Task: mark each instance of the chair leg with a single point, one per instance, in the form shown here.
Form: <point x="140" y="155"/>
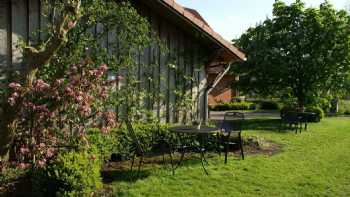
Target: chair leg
<point x="202" y="160"/>
<point x="280" y="127"/>
<point x="226" y="153"/>
<point x="241" y="147"/>
<point x="140" y="164"/>
<point x="133" y="161"/>
<point x="171" y="162"/>
<point x="181" y="158"/>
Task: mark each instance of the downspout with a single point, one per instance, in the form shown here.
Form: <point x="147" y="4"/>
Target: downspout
<point x="210" y="88"/>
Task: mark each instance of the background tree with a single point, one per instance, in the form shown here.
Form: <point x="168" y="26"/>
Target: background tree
<point x="300" y="52"/>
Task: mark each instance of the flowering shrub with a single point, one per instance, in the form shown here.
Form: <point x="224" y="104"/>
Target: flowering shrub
<point x="74" y="173"/>
<point x="55" y="114"/>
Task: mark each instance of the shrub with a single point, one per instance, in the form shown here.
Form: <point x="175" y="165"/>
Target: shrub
<point x="105" y="143"/>
<point x="71" y="174"/>
<point x="318" y="111"/>
<point x="344" y="107"/>
<point x="234" y="106"/>
<point x="149" y="134"/>
<point x="10" y="174"/>
<point x="269" y="105"/>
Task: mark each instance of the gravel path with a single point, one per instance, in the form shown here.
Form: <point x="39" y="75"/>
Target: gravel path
<point x="248" y="115"/>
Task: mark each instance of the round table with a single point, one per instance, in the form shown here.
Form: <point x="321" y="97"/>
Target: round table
<point x="194" y="130"/>
<point x="203" y="132"/>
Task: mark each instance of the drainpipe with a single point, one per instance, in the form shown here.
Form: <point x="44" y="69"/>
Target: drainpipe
<point x="210" y="88"/>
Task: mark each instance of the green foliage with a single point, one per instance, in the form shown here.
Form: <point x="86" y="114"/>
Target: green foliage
<point x="71" y="174"/>
<point x="301" y="52"/>
<point x="233" y="106"/>
<point x="268" y="105"/>
<point x="344" y="107"/>
<point x="9" y="175"/>
<point x="149" y="135"/>
<point x="105" y="143"/>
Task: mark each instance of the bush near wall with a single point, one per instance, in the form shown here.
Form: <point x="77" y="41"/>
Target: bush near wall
<point x="268" y="105"/>
<point x="233" y="106"/>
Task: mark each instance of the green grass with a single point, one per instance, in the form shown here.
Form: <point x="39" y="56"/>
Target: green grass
<point x="314" y="163"/>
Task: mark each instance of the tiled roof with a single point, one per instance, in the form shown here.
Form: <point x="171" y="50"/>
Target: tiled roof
<point x="200" y="22"/>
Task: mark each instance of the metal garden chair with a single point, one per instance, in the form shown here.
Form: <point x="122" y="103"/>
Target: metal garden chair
<point x="140" y="151"/>
<point x="291" y="119"/>
<point x="231" y="132"/>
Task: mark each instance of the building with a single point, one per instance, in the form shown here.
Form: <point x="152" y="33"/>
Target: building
<point x="189" y="38"/>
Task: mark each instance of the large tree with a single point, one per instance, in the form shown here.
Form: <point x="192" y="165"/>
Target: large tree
<point x="301" y="52"/>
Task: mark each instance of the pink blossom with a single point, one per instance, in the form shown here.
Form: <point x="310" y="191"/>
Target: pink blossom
<point x="42" y="145"/>
<point x="59" y="81"/>
<point x="79" y="98"/>
<point x="68" y="91"/>
<point x="41" y="163"/>
<point x="23" y="165"/>
<point x="50" y="152"/>
<point x="15" y="95"/>
<point x="104" y="130"/>
<point x="11" y="101"/>
<point x="120" y="77"/>
<point x="15" y="86"/>
<point x="85" y="110"/>
<point x="24" y="150"/>
<point x="41" y="85"/>
<point x="103" y="67"/>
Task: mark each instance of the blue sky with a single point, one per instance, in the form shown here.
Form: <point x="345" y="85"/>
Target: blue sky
<point x="231" y="18"/>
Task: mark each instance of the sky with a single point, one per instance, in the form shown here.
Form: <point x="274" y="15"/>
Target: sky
<point x="231" y="18"/>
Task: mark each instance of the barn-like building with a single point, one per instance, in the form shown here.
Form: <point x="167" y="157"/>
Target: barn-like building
<point x="186" y="34"/>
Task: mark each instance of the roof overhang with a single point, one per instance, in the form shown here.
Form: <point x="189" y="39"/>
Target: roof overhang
<point x="228" y="52"/>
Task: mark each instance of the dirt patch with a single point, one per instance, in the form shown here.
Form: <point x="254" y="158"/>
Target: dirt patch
<point x="257" y="145"/>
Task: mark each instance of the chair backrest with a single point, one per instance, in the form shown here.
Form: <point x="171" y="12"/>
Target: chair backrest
<point x="291" y="117"/>
<point x="232" y="122"/>
<point x="134" y="138"/>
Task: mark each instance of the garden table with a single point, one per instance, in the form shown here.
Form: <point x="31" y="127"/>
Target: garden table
<point x="304" y="117"/>
<point x="186" y="132"/>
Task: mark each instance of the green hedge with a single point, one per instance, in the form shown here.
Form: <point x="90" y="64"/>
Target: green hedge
<point x="268" y="105"/>
<point x="233" y="106"/>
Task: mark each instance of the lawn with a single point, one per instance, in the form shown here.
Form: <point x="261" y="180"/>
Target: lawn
<point x="314" y="163"/>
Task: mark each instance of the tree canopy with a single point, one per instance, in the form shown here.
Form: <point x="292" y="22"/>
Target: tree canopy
<point x="301" y="52"/>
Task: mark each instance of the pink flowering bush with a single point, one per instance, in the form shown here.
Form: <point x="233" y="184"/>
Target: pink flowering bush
<point x="55" y="114"/>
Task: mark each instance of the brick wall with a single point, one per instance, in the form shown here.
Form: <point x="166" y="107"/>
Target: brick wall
<point x="223" y="92"/>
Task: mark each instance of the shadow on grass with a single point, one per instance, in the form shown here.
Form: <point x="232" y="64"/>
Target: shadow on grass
<point x="124" y="175"/>
<point x="262" y="124"/>
<point x="120" y="171"/>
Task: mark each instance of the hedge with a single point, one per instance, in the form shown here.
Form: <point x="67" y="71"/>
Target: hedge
<point x="233" y="106"/>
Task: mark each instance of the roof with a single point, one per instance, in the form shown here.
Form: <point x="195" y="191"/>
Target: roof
<point x="192" y="16"/>
<point x="197" y="15"/>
